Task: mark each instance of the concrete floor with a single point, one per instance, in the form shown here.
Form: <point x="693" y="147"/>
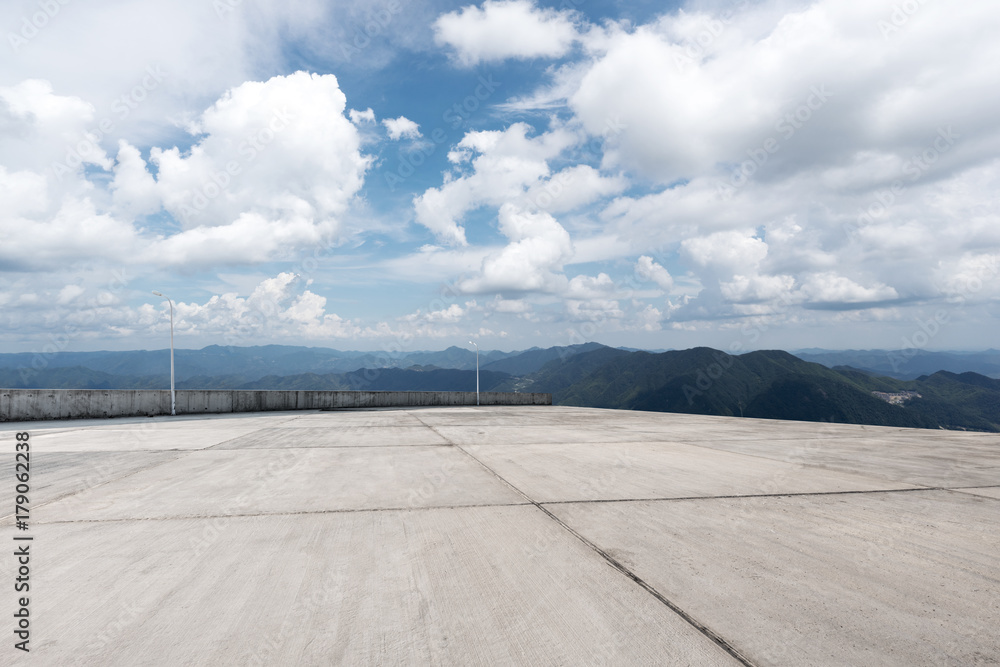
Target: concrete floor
<point x="506" y="535"/>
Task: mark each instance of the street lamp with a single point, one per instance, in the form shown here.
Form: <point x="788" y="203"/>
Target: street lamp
<point x="173" y="397"/>
<point x="477" y="371"/>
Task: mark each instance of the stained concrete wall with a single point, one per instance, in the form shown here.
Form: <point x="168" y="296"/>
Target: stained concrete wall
<point x="35" y="404"/>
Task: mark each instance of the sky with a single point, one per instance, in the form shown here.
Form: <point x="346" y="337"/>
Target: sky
<point x="411" y="174"/>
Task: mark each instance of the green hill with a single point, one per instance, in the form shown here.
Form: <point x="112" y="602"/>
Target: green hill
<point x="768" y="384"/>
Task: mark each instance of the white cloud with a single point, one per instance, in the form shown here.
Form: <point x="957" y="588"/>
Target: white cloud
<point x="278" y="307"/>
<point x="594" y="310"/>
<point x="75" y="232"/>
<point x="358" y="117"/>
<point x="590" y="287"/>
<point x="882" y="159"/>
<point x="726" y="253"/>
<point x="532" y="261"/>
<point x="830" y="288"/>
<point x="818" y="80"/>
<point x="452" y="314"/>
<point x="519" y="307"/>
<point x="134" y="188"/>
<point x="276" y="169"/>
<point x="68" y="294"/>
<point x="970" y="278"/>
<point x="506" y="163"/>
<point x="649" y="319"/>
<point x="757" y="288"/>
<point x="401" y="128"/>
<point x="505" y="29"/>
<point x="43" y="128"/>
<point x="572" y="188"/>
<point x="649" y="271"/>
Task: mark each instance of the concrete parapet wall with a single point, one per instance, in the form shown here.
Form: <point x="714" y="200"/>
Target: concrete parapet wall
<point x="35" y="404"/>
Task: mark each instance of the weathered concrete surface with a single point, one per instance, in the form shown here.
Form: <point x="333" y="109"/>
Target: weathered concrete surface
<point x="43" y="404"/>
<point x="506" y="535"/>
<point x="856" y="579"/>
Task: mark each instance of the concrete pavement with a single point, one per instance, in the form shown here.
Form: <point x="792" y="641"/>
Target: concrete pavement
<point x="505" y="535"/>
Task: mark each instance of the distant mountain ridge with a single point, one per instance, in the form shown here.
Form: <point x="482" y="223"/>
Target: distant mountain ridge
<point x="907" y="364"/>
<point x="369" y="379"/>
<point x="767" y="384"/>
<point x="252" y="363"/>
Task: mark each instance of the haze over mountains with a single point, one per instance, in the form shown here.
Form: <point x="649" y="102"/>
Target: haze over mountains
<point x="929" y="389"/>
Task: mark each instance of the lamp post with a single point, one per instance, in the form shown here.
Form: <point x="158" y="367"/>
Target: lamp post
<point x="477" y="371"/>
<point x="173" y="397"/>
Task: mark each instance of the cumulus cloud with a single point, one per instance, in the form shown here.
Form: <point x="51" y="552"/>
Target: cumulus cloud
<point x="823" y="289"/>
<point x="649" y="319"/>
<point x="590" y="287"/>
<point x="358" y="117"/>
<point x="452" y="314"/>
<point x="532" y="261"/>
<point x="648" y="270"/>
<point x="726" y="253"/>
<point x="401" y="128"/>
<point x="276" y="168"/>
<point x="278" y="307"/>
<point x="595" y="310"/>
<point x="46" y="131"/>
<point x="818" y="81"/>
<point x="503" y="164"/>
<point x="756" y="288"/>
<point x="574" y="187"/>
<point x="855" y="151"/>
<point x="499" y="30"/>
<point x="133" y="187"/>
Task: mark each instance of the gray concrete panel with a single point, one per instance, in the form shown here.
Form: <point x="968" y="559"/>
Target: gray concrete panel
<point x="256" y="481"/>
<point x="907" y="578"/>
<point x="443" y="587"/>
<point x="620" y="471"/>
<point x="188" y="540"/>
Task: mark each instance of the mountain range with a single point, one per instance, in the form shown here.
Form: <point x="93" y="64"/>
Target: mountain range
<point x="849" y="386"/>
<point x="907" y="364"/>
<point x="255" y="362"/>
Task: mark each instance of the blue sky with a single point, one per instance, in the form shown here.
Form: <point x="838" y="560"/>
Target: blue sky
<point x="407" y="175"/>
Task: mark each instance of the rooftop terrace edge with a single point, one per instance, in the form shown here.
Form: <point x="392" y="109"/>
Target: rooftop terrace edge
<point x="43" y="404"/>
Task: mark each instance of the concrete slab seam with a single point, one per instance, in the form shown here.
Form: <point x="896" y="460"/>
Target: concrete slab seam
<point x="243" y="435"/>
<point x="181" y="454"/>
<point x="700" y="627"/>
<point x="737" y="496"/>
<point x="355" y="510"/>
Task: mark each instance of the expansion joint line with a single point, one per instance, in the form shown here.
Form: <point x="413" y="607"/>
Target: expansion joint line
<point x="691" y="620"/>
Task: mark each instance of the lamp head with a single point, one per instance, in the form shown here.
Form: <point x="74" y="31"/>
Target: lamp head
<point x="157" y="293"/>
